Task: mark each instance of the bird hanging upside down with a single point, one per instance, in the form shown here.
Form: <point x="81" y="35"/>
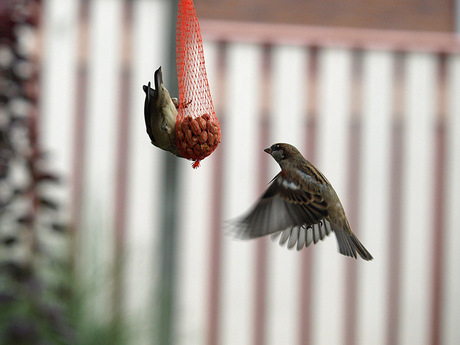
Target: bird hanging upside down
<point x="300" y="207"/>
<point x="160" y="111"/>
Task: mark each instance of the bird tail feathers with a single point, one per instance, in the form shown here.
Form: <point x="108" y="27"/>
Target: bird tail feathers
<point x="158" y="78"/>
<point x="349" y="245"/>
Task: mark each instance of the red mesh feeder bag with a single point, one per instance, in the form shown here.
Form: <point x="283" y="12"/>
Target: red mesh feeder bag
<point x="197" y="127"/>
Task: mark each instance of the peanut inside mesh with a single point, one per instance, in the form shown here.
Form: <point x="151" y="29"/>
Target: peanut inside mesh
<point x="197" y="138"/>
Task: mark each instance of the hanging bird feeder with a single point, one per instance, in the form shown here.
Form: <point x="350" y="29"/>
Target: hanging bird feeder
<point x="197" y="128"/>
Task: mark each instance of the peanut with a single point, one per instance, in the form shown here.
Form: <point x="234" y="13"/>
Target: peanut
<point x="210" y="139"/>
<point x="180" y="135"/>
<point x="188" y="135"/>
<point x="195" y="127"/>
<point x="203" y="137"/>
<point x="202" y="122"/>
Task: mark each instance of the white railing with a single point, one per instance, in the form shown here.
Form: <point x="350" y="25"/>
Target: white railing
<point x="383" y="124"/>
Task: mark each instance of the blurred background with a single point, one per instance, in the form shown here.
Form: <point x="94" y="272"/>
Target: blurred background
<point x="105" y="239"/>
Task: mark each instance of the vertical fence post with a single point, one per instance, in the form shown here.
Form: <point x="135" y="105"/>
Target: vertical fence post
<point x="457" y="17"/>
<point x="164" y="301"/>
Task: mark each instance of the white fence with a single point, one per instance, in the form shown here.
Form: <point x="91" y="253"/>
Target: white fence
<point x="383" y="124"/>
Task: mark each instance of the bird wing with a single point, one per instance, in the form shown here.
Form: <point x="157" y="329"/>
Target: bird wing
<point x="293" y="198"/>
<point x="147" y="109"/>
<point x="303" y="235"/>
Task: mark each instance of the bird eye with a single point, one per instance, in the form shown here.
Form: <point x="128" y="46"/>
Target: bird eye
<point x="275" y="147"/>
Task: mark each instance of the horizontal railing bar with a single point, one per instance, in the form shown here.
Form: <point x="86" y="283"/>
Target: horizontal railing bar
<point x="330" y="36"/>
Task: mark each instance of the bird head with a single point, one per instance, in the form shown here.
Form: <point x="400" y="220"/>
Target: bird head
<point x="281" y="152"/>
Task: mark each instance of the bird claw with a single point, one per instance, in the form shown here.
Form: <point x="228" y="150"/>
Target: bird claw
<point x="177" y="104"/>
<point x="166" y="128"/>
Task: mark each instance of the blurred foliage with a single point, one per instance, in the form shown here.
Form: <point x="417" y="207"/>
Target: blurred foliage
<point x="34" y="267"/>
<point x="39" y="298"/>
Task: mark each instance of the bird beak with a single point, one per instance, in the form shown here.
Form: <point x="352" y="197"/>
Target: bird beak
<point x="268" y="150"/>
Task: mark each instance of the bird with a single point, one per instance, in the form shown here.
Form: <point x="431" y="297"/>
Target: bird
<point x="299" y="207"/>
<point x="160" y="111"/>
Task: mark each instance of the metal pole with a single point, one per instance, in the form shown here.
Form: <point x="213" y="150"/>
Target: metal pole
<point x="164" y="301"/>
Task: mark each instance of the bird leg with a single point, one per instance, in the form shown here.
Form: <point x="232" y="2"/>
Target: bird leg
<point x="175" y="102"/>
<point x="184" y="104"/>
<point x="165" y="128"/>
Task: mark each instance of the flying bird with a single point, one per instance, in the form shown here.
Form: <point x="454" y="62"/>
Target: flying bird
<point x="300" y="207"/>
<point x="160" y="111"/>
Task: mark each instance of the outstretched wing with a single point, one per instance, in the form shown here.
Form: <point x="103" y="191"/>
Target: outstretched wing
<point x="302" y="236"/>
<point x="293" y="199"/>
